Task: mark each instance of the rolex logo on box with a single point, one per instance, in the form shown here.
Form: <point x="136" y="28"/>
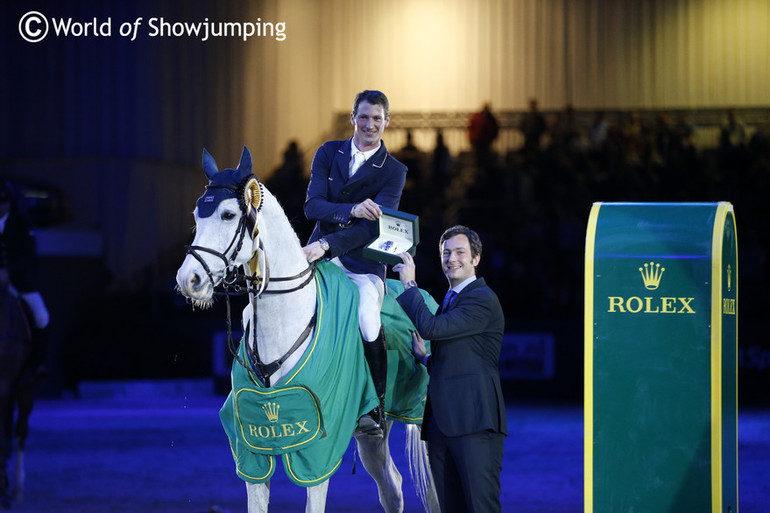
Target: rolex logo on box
<point x="398" y="232"/>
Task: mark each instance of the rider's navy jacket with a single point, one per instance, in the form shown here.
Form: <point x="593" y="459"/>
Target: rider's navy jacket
<point x="331" y="196"/>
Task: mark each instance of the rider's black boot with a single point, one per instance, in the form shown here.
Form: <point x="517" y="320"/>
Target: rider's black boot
<point x="377" y="357"/>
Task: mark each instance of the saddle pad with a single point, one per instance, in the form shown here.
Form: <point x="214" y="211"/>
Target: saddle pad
<point x="277" y="421"/>
<point x="334" y="368"/>
<point x="334" y="385"/>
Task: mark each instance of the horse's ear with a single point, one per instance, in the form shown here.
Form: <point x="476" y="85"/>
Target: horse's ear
<point x="209" y="165"/>
<point x="244" y="166"/>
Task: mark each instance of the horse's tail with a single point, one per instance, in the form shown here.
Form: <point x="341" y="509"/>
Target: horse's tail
<point x="419" y="469"/>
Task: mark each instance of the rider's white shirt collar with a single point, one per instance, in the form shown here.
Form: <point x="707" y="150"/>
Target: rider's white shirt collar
<point x="354" y="149"/>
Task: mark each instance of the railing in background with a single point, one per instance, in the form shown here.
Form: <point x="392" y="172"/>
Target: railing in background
<point x="453" y="125"/>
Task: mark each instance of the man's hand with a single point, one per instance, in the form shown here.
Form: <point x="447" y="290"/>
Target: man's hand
<point x="314" y="251"/>
<point x="405" y="270"/>
<point x="418" y="347"/>
<point x="367" y="209"/>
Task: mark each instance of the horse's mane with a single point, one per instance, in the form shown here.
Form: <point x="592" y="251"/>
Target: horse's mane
<point x="279" y="220"/>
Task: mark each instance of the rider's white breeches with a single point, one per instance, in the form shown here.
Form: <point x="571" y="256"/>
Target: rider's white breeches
<point x="371" y="291"/>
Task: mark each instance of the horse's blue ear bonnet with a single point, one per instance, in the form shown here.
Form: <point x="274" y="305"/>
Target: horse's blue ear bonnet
<point x="226" y="184"/>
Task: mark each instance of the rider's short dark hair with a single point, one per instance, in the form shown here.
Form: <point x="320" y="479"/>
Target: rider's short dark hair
<point x="373" y="97"/>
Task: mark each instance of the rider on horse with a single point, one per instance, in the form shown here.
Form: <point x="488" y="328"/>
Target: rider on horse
<point x="350" y="180"/>
<point x="18" y="269"/>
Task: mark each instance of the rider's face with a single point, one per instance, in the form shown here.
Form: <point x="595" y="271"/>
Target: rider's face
<point x="369" y="122"/>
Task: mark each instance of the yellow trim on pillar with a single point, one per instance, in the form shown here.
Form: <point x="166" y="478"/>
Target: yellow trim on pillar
<point x="716" y="355"/>
<point x="588" y="337"/>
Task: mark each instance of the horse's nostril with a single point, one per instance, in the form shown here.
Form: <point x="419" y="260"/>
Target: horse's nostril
<point x="195" y="282"/>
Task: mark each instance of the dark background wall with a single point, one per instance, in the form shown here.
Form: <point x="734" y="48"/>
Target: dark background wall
<point x="111" y="131"/>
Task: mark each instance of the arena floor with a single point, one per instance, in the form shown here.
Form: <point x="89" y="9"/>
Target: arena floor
<point x="128" y="454"/>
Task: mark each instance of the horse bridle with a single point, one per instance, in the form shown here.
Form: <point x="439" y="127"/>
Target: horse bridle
<point x="237" y="282"/>
<point x="236" y="243"/>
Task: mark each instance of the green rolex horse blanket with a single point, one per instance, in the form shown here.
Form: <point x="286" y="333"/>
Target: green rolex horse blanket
<point x="309" y="416"/>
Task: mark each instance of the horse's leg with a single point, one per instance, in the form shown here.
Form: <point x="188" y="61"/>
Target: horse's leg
<point x="25" y="401"/>
<point x="375" y="455"/>
<point x="258" y="497"/>
<point x="6" y="422"/>
<point x="20" y="476"/>
<point x="316" y="498"/>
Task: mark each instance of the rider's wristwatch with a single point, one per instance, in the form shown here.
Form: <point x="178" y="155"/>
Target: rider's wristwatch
<point x="324" y="245"/>
<point x="410" y="284"/>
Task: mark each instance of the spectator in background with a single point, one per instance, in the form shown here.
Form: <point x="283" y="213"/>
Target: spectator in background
<point x="634" y="136"/>
<point x="482" y="132"/>
<point x="732" y="143"/>
<point x="286" y="182"/>
<point x="416" y="186"/>
<point x="532" y="126"/>
<point x="441" y="161"/>
<point x="598" y="132"/>
<point x="733" y="133"/>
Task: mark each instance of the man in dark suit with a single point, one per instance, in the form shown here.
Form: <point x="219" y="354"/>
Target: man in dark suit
<point x="464" y="423"/>
<point x="349" y="181"/>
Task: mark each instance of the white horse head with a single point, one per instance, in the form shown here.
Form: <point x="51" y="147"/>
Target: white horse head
<point x="228" y="233"/>
<point x="243" y="240"/>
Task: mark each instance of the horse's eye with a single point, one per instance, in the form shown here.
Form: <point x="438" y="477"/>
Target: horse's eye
<point x="228" y="216"/>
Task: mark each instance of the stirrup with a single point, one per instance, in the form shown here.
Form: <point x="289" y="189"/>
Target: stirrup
<point x="368" y="425"/>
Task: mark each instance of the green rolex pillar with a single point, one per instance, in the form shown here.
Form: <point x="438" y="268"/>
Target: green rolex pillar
<point x="661" y="307"/>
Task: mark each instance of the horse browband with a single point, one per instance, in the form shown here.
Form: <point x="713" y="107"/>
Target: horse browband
<point x="251" y="214"/>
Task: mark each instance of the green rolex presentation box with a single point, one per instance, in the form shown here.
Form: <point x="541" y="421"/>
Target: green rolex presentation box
<point x="398" y="232"/>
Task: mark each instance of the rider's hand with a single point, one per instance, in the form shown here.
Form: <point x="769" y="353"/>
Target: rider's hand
<point x="313" y="251"/>
<point x="367" y="209"/>
<point x="405" y="270"/>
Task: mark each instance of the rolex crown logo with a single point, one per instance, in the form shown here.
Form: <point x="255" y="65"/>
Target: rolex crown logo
<point x="271" y="410"/>
<point x="651" y="274"/>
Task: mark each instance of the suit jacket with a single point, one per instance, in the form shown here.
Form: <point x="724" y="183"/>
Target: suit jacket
<point x="331" y="195"/>
<point x="464" y="392"/>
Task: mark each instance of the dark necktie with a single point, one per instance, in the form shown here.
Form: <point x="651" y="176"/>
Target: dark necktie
<point x="448" y="299"/>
